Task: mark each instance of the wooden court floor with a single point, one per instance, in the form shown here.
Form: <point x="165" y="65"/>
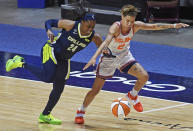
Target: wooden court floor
<point x="21" y="102"/>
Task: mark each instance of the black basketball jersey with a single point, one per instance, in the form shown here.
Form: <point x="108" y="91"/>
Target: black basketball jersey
<point x="70" y="42"/>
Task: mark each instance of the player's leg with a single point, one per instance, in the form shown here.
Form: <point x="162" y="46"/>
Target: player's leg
<point x="104" y="71"/>
<point x="136" y="70"/>
<point x="62" y="74"/>
<point x="97" y="86"/>
<point x="45" y="72"/>
<point x="141" y="74"/>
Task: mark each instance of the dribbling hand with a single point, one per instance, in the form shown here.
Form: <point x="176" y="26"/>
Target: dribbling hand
<point x="91" y="62"/>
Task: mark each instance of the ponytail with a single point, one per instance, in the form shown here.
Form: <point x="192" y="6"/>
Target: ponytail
<point x="80" y="9"/>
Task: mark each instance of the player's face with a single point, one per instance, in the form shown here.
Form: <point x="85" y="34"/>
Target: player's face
<point x="128" y="21"/>
<point x="88" y="26"/>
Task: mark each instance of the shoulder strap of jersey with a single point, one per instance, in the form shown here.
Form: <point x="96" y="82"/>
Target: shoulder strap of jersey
<point x="93" y="32"/>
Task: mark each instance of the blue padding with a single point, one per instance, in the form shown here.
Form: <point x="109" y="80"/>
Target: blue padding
<point x="164" y="59"/>
<point x="31" y="3"/>
<point x="22" y="40"/>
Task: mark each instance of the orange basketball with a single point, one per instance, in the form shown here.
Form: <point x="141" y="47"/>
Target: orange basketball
<point x="120" y="107"/>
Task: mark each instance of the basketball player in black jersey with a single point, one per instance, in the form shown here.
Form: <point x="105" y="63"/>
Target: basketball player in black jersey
<point x="56" y="54"/>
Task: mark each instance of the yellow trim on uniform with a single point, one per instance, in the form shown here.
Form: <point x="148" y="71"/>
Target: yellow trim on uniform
<point x="47" y="54"/>
<point x="68" y="73"/>
<point x="80" y="33"/>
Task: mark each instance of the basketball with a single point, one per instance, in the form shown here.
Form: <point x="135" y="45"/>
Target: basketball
<point x="120" y="107"/>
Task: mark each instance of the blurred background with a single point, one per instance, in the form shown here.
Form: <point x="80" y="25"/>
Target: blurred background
<point x="150" y="10"/>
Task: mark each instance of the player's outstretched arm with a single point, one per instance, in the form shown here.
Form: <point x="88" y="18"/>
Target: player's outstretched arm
<point x="158" y="26"/>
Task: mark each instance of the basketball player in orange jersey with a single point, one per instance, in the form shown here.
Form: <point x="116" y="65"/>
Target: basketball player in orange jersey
<point x="116" y="55"/>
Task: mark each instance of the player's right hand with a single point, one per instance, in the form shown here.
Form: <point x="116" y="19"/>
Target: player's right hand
<point x="91" y="62"/>
<point x="50" y="35"/>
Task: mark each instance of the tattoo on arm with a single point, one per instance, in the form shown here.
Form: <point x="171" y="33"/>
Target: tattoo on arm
<point x="164" y="26"/>
<point x="135" y="69"/>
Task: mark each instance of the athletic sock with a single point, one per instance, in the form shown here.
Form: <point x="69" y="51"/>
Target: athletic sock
<point x="134" y="92"/>
<point x="82" y="108"/>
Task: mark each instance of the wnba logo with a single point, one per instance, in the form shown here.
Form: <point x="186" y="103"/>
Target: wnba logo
<point x="149" y="86"/>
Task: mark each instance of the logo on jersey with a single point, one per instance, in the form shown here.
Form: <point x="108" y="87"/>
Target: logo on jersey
<point x="93" y="16"/>
<point x="75" y="31"/>
<point x="76" y="42"/>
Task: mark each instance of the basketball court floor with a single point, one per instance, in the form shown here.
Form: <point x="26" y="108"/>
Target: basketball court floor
<point x="22" y="100"/>
<point x="166" y="97"/>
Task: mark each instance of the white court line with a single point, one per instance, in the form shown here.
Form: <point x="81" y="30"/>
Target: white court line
<point x="165" y="108"/>
<point x="183" y="103"/>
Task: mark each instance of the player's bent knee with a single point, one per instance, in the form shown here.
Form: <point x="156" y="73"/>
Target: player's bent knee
<point x="144" y="78"/>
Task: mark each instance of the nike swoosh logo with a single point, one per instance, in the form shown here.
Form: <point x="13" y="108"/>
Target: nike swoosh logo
<point x="48" y="119"/>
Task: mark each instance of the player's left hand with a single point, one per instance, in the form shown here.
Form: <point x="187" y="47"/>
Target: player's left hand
<point x="180" y="25"/>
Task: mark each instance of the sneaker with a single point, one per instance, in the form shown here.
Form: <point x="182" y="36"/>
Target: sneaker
<point x="79" y="118"/>
<point x="16" y="62"/>
<point x="135" y="102"/>
<point x="49" y="119"/>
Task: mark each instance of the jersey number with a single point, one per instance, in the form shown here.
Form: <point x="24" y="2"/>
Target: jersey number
<point x="121" y="46"/>
<point x="72" y="48"/>
<point x="122" y="42"/>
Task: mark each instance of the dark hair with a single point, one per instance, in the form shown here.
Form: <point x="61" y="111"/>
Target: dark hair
<point x="129" y="10"/>
<point x="80" y="9"/>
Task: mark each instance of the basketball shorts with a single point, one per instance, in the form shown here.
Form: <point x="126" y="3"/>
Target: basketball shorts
<point x="108" y="64"/>
<point x="51" y="67"/>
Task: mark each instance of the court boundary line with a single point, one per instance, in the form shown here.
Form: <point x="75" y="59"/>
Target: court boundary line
<point x="164" y="108"/>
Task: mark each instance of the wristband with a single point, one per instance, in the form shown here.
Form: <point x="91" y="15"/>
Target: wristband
<point x="51" y="23"/>
<point x="174" y="25"/>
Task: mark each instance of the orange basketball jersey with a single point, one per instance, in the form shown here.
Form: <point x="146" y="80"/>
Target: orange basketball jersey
<point x="122" y="42"/>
